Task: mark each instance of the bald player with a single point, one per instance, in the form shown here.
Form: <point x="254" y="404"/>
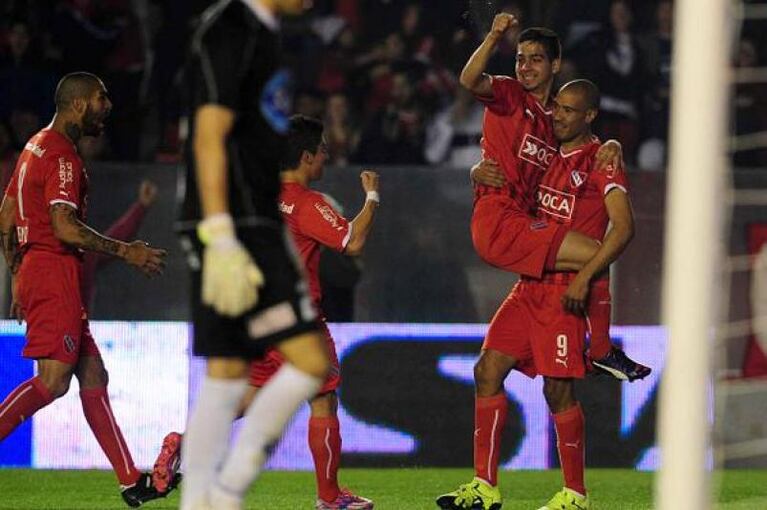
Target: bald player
<point x="44" y="236"/>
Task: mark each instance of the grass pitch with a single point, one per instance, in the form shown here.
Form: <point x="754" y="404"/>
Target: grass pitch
<point x="391" y="489"/>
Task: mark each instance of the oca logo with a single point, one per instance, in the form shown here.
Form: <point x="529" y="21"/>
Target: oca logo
<point x="555" y="202"/>
<point x="536" y="151"/>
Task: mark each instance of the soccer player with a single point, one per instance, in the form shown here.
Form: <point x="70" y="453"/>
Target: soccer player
<point x="313" y="222"/>
<point x="249" y="293"/>
<point x="518" y="134"/>
<point x="44" y="235"/>
<point x="548" y="332"/>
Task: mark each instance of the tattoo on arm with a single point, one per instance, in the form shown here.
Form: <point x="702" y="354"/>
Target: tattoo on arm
<point x="82" y="236"/>
<point x="11" y="250"/>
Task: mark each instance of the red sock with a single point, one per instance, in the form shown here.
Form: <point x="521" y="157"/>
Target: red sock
<point x="102" y="421"/>
<point x="22" y="403"/>
<point x="599" y="320"/>
<point x="570" y="426"/>
<point x="325" y="445"/>
<point x="489" y="420"/>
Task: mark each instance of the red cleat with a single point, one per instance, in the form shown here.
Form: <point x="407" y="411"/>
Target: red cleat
<point x="167" y="463"/>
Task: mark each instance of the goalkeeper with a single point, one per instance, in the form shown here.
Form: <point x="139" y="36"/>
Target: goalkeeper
<point x="248" y="289"/>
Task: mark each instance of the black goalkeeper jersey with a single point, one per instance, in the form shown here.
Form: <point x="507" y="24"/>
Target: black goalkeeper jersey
<point x="235" y="63"/>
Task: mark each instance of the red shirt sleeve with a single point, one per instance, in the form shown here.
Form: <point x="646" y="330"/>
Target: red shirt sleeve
<point x="62" y="181"/>
<point x="508" y="94"/>
<point x="608" y="180"/>
<point x="13" y="186"/>
<point x="317" y="219"/>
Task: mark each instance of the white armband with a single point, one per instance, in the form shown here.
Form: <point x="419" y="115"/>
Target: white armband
<point x="373" y="196"/>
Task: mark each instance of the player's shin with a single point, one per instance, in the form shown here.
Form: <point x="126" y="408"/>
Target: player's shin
<point x="262" y="425"/>
<point x="325" y="445"/>
<point x="489" y="421"/>
<point x="98" y="414"/>
<point x="207" y="436"/>
<point x="570" y="427"/>
<point x="24" y="401"/>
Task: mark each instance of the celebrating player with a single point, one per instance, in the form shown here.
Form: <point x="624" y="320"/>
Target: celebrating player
<point x="540" y="324"/>
<point x="313" y="222"/>
<point x="42" y="223"/>
<point x="249" y="294"/>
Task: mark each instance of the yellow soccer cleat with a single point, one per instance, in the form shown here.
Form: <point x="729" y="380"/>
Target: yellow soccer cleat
<point x="567" y="500"/>
<point x="475" y="495"/>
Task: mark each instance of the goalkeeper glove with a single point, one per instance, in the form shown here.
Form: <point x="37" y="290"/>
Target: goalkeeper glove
<point x="230" y="277"/>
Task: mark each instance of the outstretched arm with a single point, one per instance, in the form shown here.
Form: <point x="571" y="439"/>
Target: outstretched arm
<point x="71" y="231"/>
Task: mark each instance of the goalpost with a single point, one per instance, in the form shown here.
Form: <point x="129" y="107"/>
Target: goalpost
<point x="694" y="246"/>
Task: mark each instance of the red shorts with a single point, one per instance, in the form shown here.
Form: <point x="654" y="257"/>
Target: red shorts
<point x="49" y="294"/>
<point x="511" y="240"/>
<point x="261" y="370"/>
<point x="532" y="327"/>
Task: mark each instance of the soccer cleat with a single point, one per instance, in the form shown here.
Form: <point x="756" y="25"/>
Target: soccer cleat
<point x="620" y="366"/>
<point x="167" y="463"/>
<point x="346" y="500"/>
<point x="475" y="495"/>
<point x="140" y="492"/>
<point x="567" y="500"/>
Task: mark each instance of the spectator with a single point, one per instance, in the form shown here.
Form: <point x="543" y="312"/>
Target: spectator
<point x="25" y="85"/>
<point x="613" y="59"/>
<point x="340" y="130"/>
<point x="453" y="135"/>
<point x="655" y="115"/>
<point x="395" y="135"/>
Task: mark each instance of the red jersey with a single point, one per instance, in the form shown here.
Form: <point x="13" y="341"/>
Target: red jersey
<point x="48" y="171"/>
<point x="572" y="192"/>
<point x="517" y="132"/>
<point x="312" y="222"/>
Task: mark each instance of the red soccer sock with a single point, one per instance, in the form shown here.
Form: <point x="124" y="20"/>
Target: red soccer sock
<point x="325" y="445"/>
<point x="98" y="413"/>
<point x="489" y="420"/>
<point x="22" y="403"/>
<point x="599" y="346"/>
<point x="570" y="425"/>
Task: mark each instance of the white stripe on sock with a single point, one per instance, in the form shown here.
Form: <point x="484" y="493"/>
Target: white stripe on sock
<point x="113" y="424"/>
<point x="16" y="398"/>
<point x="492" y="444"/>
<point x="330" y="453"/>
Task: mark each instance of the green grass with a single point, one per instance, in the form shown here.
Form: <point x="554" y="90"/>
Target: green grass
<point x="392" y="489"/>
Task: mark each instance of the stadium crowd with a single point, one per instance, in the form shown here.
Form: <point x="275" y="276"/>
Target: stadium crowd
<point x="381" y="73"/>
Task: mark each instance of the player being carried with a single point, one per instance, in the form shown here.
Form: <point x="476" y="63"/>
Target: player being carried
<point x="518" y="134"/>
<point x="44" y="235"/>
<point x="545" y="328"/>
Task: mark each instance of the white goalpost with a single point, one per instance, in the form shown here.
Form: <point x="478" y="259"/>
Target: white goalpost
<point x="694" y="246"/>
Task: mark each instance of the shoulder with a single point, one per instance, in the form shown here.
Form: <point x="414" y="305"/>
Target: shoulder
<point x="222" y="26"/>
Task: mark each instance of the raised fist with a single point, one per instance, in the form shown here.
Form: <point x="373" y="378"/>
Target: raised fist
<point x="369" y="180"/>
<point x="502" y="22"/>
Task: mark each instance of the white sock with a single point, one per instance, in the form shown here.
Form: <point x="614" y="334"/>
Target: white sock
<point x="262" y="425"/>
<point x="207" y="436"/>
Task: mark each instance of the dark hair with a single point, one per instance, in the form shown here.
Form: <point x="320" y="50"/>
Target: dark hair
<point x="79" y="85"/>
<point x="546" y="38"/>
<point x="304" y="134"/>
<point x="588" y="89"/>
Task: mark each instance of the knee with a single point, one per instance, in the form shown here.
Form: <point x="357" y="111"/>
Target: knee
<point x="559" y="394"/>
<point x="487" y="378"/>
<point x="324" y="405"/>
<point x="57" y="386"/>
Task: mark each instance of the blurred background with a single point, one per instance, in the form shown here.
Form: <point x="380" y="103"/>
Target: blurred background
<point x="383" y="76"/>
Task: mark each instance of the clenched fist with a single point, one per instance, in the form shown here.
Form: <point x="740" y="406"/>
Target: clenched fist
<point x="501" y="23"/>
<point x="369" y="180"/>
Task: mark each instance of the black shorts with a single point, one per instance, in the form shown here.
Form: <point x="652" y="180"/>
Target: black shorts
<point x="284" y="308"/>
